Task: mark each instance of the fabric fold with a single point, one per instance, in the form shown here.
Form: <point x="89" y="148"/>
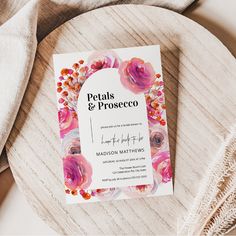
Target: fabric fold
<point x="17" y="48"/>
<point x="214" y="209"/>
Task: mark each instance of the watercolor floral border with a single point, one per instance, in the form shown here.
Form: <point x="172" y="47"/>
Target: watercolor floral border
<point x="137" y="76"/>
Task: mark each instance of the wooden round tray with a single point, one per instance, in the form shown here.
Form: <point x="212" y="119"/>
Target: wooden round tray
<point x="199" y="74"/>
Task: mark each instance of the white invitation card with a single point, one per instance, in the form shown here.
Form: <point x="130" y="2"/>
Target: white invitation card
<point x="113" y="128"/>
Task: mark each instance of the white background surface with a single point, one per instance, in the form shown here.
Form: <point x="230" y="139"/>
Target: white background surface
<point x="16" y="216"/>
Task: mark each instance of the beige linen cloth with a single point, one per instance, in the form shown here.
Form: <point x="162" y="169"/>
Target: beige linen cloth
<point x="23" y="23"/>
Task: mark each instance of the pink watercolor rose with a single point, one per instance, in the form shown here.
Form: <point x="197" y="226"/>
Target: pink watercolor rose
<point x="77" y="172"/>
<point x="137" y="75"/>
<point x="102" y="60"/>
<point x="106" y="193"/>
<point x="71" y="142"/>
<point x="158" y="139"/>
<point x="67" y="120"/>
<point x="162" y="165"/>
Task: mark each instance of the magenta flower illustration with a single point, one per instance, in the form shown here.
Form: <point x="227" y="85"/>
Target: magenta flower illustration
<point x="162" y="165"/>
<point x="137" y="75"/>
<point x="67" y="120"/>
<point x="71" y="142"/>
<point x="77" y="172"/>
<point x="102" y="60"/>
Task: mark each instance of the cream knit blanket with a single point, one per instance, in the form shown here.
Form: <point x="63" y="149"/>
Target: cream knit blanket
<point x="214" y="209"/>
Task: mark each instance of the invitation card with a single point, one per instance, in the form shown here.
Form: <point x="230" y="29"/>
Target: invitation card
<point x="112" y="120"/>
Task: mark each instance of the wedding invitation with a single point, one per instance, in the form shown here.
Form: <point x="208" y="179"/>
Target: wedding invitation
<point x="112" y="120"/>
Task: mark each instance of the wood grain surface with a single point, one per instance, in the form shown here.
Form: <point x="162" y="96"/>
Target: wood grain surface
<point x="200" y="86"/>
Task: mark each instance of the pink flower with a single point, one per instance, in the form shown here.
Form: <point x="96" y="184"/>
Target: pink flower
<point x="158" y="139"/>
<point x="77" y="172"/>
<point x="71" y="143"/>
<point x="161" y="164"/>
<point x="106" y="193"/>
<point x="67" y="120"/>
<point x="140" y="190"/>
<point x="136" y="75"/>
<point x="101" y="60"/>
